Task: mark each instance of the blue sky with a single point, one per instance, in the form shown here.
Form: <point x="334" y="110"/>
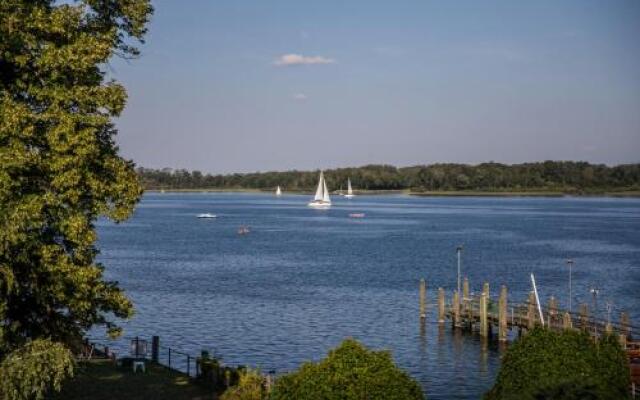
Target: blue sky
<point x="237" y="86"/>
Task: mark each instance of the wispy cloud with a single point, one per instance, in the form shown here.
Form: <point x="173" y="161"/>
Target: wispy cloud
<point x="287" y="60"/>
<point x="299" y="96"/>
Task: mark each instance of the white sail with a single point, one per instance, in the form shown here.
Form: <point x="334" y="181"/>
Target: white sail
<point x="320" y="191"/>
<point x="349" y="194"/>
<point x="325" y="197"/>
<point x="278" y="191"/>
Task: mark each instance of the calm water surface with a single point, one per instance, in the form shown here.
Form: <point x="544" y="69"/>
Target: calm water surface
<point x="304" y="279"/>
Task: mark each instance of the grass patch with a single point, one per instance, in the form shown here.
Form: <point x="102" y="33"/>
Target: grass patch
<point x="101" y="380"/>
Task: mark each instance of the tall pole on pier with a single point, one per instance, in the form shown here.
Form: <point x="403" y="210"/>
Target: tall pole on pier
<point x="459" y="251"/>
<point x="570" y="264"/>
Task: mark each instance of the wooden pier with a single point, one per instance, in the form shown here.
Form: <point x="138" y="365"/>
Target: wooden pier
<point x="494" y="318"/>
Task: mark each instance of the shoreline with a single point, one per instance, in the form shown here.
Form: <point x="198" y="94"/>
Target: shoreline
<point x="443" y="193"/>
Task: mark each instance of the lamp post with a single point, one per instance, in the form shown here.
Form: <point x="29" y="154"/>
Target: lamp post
<point x="594" y="293"/>
<point x="570" y="264"/>
<point x="459" y="251"/>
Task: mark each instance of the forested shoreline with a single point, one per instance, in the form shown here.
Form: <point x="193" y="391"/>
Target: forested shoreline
<point x="547" y="176"/>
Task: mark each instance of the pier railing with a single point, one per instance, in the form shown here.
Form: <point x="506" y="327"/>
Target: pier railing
<point x="169" y="357"/>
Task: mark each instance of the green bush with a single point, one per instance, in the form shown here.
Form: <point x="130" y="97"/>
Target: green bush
<point x="562" y="365"/>
<point x="34" y="370"/>
<point x="250" y="386"/>
<point x="350" y="371"/>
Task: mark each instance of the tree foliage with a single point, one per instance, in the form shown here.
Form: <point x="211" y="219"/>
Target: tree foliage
<point x="350" y="371"/>
<point x="251" y="386"/>
<point x="33" y="370"/>
<point x="566" y="365"/>
<point x="59" y="166"/>
<point x="566" y="176"/>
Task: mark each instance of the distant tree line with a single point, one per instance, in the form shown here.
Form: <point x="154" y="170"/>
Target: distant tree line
<point x="566" y="176"/>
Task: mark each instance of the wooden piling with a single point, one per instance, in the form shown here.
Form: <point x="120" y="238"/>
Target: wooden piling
<point x="484" y="326"/>
<point x="456" y="309"/>
<point x="423" y="299"/>
<point x="485" y="289"/>
<point x="466" y="302"/>
<point x="566" y="321"/>
<point x="441" y="308"/>
<point x="625" y="326"/>
<point x="623" y="341"/>
<point x="553" y="310"/>
<point x="608" y="328"/>
<point x="584" y="317"/>
<point x="502" y="314"/>
<point x="155" y="348"/>
<point x="531" y="311"/>
<point x="465" y="289"/>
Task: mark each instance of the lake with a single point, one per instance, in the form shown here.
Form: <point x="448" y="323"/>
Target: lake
<point x="302" y="280"/>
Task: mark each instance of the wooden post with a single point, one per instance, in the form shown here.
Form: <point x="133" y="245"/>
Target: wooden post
<point x="625" y="327"/>
<point x="484" y="327"/>
<point x="584" y="316"/>
<point x="466" y="303"/>
<point x="608" y="328"/>
<point x="623" y="341"/>
<point x="502" y="314"/>
<point x="553" y="309"/>
<point x="441" y="309"/>
<point x="566" y="321"/>
<point x="423" y="299"/>
<point x="465" y="289"/>
<point x="531" y="310"/>
<point x="155" y="348"/>
<point x="456" y="309"/>
<point x="485" y="289"/>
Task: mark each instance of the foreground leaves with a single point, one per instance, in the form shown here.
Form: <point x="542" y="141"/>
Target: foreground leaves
<point x="33" y="370"/>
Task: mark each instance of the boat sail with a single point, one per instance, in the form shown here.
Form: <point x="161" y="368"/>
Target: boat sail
<point x="321" y="199"/>
<point x="349" y="194"/>
<point x="278" y="191"/>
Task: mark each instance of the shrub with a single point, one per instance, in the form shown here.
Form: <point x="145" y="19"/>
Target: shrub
<point x="250" y="386"/>
<point x="350" y="371"/>
<point x="562" y="365"/>
<point x="33" y="370"/>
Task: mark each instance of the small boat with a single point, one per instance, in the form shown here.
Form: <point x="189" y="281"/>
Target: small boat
<point x="207" y="215"/>
<point x="278" y="191"/>
<point x="321" y="199"/>
<point x="349" y="194"/>
<point x="243" y="230"/>
<point x="356" y="215"/>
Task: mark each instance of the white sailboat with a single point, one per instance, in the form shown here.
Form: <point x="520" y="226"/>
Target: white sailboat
<point x="321" y="199"/>
<point x="278" y="191"/>
<point x="349" y="194"/>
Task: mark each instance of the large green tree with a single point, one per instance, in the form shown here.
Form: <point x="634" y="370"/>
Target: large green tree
<point x="59" y="165"/>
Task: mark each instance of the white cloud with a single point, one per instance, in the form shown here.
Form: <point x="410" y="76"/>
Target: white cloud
<point x="286" y="60"/>
<point x="299" y="96"/>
